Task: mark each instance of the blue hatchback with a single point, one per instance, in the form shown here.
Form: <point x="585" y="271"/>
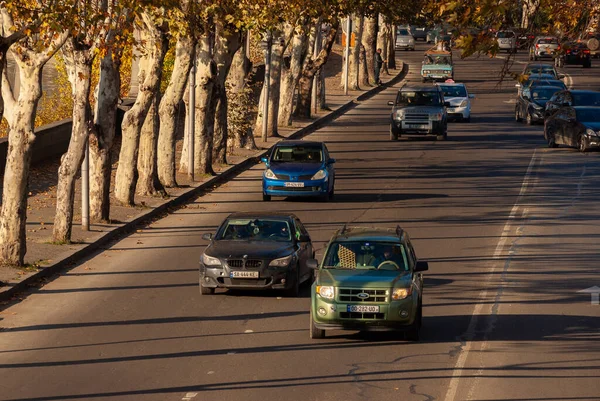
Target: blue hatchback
<point x="298" y="168"/>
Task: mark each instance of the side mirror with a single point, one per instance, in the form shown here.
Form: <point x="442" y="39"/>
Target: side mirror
<point x="331" y="161"/>
<point x="303" y="238"/>
<point x="390" y="103"/>
<point x="264" y="160"/>
<point x="207" y="237"/>
<point x="471" y="96"/>
<point x="447" y="104"/>
<point x="421" y="266"/>
<point x="312" y="264"/>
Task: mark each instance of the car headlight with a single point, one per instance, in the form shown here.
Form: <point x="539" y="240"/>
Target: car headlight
<point x="436" y="116"/>
<point x="426" y="71"/>
<point x="210" y="261"/>
<point x="270" y="174"/>
<point x="411" y="42"/>
<point x="281" y="262"/>
<point x="399" y="114"/>
<point x="401" y="293"/>
<point x="326" y="292"/>
<point x="464" y="103"/>
<point x="319" y="175"/>
<point x="591" y="132"/>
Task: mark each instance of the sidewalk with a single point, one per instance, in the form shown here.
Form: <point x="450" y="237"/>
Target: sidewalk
<point x="45" y="259"/>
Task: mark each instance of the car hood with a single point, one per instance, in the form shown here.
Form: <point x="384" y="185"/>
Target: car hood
<point x="421" y="109"/>
<point x="295" y="168"/>
<point x="436" y="67"/>
<point x="352" y="278"/>
<point x="455" y="101"/>
<point x="254" y="249"/>
<point x="593" y="125"/>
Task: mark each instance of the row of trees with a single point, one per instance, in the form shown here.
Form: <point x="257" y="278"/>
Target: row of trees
<point x="92" y="35"/>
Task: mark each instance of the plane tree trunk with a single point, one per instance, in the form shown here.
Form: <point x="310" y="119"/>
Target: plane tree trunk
<point x="291" y="75"/>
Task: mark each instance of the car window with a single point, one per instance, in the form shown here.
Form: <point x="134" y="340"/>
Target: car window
<point x="453" y="90"/>
<point x="366" y="255"/>
<point x="296" y="154"/>
<point x="300" y="228"/>
<point x="548" y="41"/>
<point x="403" y="32"/>
<point x="416" y="98"/>
<point x="505" y="34"/>
<point x="588" y="115"/>
<point x="255" y="230"/>
<point x="543" y="93"/>
<point x="586" y="99"/>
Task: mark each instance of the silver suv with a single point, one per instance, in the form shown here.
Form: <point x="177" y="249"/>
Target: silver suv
<point x="419" y="110"/>
<point x="543" y="47"/>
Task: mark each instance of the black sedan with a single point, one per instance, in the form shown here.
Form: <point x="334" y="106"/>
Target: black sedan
<point x="577" y="127"/>
<point x="531" y="102"/>
<point x="574" y="53"/>
<point x="572" y="97"/>
<point x="257" y="251"/>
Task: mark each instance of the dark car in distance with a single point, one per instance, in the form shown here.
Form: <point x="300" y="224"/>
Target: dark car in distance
<point x="577" y="127"/>
<point x="574" y="53"/>
<point x="531" y="103"/>
<point x="257" y="251"/>
<point x="570" y="98"/>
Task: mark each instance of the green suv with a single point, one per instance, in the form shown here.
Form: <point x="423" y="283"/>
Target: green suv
<point x="370" y="280"/>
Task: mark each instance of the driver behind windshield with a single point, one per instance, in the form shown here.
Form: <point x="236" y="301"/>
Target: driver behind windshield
<point x="389" y="258"/>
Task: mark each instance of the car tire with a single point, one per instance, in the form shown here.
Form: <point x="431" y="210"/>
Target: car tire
<point x="393" y="134"/>
<point x="294" y="290"/>
<point x="581" y="145"/>
<point x="315" y="332"/>
<point x="266" y="197"/>
<point x="529" y="118"/>
<point x="518" y="117"/>
<point x="206" y="290"/>
<point x="413" y="333"/>
<point x="551" y="140"/>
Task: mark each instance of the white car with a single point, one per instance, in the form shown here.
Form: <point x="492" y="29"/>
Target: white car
<point x="507" y="41"/>
<point x="459" y="98"/>
<point x="404" y="40"/>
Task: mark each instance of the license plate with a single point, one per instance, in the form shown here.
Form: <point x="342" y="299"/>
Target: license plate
<point x="363" y="308"/>
<point x="243" y="274"/>
<point x="418" y="126"/>
<point x="294" y="184"/>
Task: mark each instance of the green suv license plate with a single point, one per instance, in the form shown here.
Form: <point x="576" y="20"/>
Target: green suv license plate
<point x="363" y="308"/>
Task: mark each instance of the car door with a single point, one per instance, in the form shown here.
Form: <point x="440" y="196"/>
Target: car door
<point x="305" y="250"/>
<point x="560" y="122"/>
<point x="570" y="127"/>
<point x="330" y="167"/>
<point x="417" y="278"/>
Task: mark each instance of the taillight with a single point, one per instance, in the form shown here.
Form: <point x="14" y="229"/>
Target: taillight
<point x="537" y="46"/>
<point x="568" y="51"/>
<point x="586" y="52"/>
<point x="558" y="47"/>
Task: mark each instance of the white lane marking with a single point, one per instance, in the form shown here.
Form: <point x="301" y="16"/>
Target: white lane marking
<point x="249" y="331"/>
<point x="189" y="396"/>
<point x="464" y="352"/>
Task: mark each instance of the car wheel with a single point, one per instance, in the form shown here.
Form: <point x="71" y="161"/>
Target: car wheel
<point x="393" y="134"/>
<point x="529" y="119"/>
<point x="206" y="290"/>
<point x="331" y="193"/>
<point x="266" y="197"/>
<point x="315" y="332"/>
<point x="582" y="145"/>
<point x="518" y="117"/>
<point x="551" y="140"/>
<point x="294" y="290"/>
<point x="412" y="334"/>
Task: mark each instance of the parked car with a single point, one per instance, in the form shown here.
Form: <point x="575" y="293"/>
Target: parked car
<point x="419" y="110"/>
<point x="544" y="47"/>
<point x="574" y="53"/>
<point x="457" y="95"/>
<point x="405" y="40"/>
<point x="571" y="98"/>
<point x="532" y="101"/>
<point x="577" y="127"/>
<point x="257" y="251"/>
<point x="420" y="33"/>
<point x="298" y="168"/>
<point x="370" y="280"/>
<point x="507" y="41"/>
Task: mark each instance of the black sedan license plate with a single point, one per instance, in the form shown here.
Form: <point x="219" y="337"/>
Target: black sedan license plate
<point x="243" y="274"/>
<point x="363" y="308"/>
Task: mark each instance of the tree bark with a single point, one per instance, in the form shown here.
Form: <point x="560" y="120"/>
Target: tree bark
<point x="155" y="41"/>
<point x="228" y="41"/>
<point x="370" y="44"/>
<point x="308" y="72"/>
<point x="102" y="137"/>
<point x="391" y="53"/>
<point x="355" y="54"/>
<point x="148" y="183"/>
<point x="78" y="60"/>
<point x="382" y="42"/>
<point x="185" y="52"/>
<point x="291" y="75"/>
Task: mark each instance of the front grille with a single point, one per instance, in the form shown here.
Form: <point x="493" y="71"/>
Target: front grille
<point x="359" y="315"/>
<point x="243" y="281"/>
<point x="350" y="295"/>
<point x="305" y="177"/>
<point x="416" y="118"/>
<point x="238" y="263"/>
<point x="293" y="189"/>
<point x="282" y="177"/>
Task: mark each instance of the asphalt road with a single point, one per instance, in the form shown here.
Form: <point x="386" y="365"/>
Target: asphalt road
<point x="510" y="228"/>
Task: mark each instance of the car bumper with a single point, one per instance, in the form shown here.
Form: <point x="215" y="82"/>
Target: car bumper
<point x="437" y="76"/>
<point x="543" y="54"/>
<point x="459" y="112"/>
<point x="577" y="60"/>
<point x="433" y="128"/>
<point x="405" y="45"/>
<point x="308" y="188"/>
<point x="269" y="278"/>
<point x="592" y="141"/>
<point x="337" y="316"/>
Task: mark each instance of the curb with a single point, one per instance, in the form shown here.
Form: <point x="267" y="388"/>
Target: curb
<point x="225" y="176"/>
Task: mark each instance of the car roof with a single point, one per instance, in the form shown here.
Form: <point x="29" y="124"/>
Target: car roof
<point x="590" y="108"/>
<point x="560" y="88"/>
<point x="450" y="84"/>
<point x="419" y="88"/>
<point x="369" y="234"/>
<point x="547" y="82"/>
<point x="262" y="215"/>
<point x="299" y="143"/>
<point x="538" y="65"/>
<point x="581" y="91"/>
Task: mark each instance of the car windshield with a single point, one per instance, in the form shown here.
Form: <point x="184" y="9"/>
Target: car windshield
<point x="454" y="90"/>
<point x="586" y="99"/>
<point x="403" y="32"/>
<point x="255" y="230"/>
<point x="545" y="82"/>
<point x="588" y="115"/>
<point x="548" y="71"/>
<point x="503" y="35"/>
<point x="548" y="41"/>
<point x="410" y="98"/>
<point x="298" y="154"/>
<point x="543" y="94"/>
<point x="365" y="255"/>
<point x="442" y="60"/>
